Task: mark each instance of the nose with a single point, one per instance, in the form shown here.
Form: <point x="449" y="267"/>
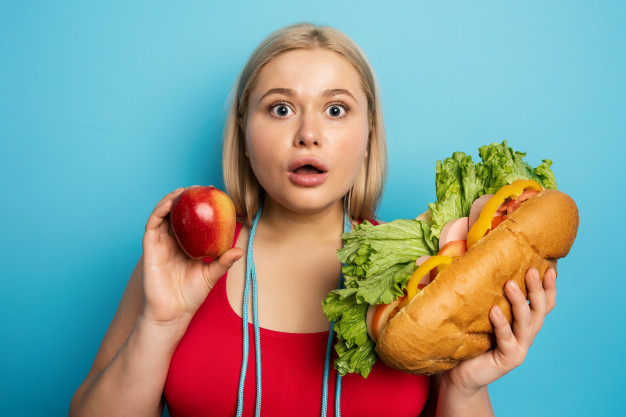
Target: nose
<point x="309" y="132"/>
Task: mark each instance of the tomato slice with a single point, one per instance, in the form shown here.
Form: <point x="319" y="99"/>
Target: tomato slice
<point x="480" y="227"/>
<point x="513" y="204"/>
<point x="381" y="315"/>
<point x="454" y="248"/>
<point x="495" y="222"/>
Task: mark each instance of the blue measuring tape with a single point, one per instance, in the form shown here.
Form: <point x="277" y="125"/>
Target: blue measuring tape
<point x="251" y="281"/>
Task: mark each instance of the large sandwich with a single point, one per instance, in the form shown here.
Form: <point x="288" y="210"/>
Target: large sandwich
<point x="418" y="292"/>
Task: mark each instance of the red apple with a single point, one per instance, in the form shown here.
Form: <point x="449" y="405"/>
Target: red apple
<point x="203" y="221"/>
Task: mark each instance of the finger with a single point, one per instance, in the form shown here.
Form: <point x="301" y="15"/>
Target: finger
<point x="220" y="265"/>
<point x="171" y="196"/>
<point x="537" y="298"/>
<point x="508" y="353"/>
<point x="521" y="313"/>
<point x="549" y="287"/>
<point x="162" y="209"/>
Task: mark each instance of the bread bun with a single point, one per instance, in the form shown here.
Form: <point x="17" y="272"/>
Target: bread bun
<point x="448" y="321"/>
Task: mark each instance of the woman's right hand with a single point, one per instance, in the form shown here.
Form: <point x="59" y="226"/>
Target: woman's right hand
<point x="174" y="285"/>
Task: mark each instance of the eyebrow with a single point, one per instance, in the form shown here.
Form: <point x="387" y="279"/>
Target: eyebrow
<point x="284" y="91"/>
<point x="337" y="91"/>
<point x="290" y="93"/>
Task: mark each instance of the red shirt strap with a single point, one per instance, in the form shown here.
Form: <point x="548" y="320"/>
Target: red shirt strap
<point x="373" y="221"/>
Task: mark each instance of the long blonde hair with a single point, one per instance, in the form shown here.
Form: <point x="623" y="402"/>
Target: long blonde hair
<point x="364" y="197"/>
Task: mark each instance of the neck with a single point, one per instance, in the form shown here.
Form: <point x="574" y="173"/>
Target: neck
<point x="289" y="224"/>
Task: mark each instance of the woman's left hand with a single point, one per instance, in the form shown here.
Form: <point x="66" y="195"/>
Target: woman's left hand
<point x="513" y="341"/>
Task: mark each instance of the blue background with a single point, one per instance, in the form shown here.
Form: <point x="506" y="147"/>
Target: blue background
<point x="107" y="106"/>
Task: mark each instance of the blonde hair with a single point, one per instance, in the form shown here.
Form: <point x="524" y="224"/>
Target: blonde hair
<point x="364" y="197"/>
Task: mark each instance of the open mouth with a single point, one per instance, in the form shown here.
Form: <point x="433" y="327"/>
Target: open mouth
<point x="307" y="171"/>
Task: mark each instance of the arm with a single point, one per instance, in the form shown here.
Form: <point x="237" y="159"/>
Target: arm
<point x="163" y="293"/>
<point x="462" y="391"/>
<point x="130" y="367"/>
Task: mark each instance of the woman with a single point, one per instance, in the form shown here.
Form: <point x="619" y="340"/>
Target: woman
<point x="304" y="159"/>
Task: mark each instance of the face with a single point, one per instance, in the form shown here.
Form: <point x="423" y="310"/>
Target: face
<point x="307" y="129"/>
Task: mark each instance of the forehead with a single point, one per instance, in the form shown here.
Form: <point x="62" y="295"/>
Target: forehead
<point x="310" y="71"/>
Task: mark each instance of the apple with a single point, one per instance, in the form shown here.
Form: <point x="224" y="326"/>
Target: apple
<point x="203" y="220"/>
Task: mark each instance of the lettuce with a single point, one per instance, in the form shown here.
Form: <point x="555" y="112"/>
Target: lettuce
<point x="379" y="260"/>
<point x="502" y="165"/>
<point x="457" y="186"/>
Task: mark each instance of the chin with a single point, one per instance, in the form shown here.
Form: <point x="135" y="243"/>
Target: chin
<point x="308" y="200"/>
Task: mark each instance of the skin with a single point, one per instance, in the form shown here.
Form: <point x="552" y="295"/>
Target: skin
<point x="299" y="226"/>
<point x="310" y="87"/>
<point x="164" y="291"/>
<point x="462" y="391"/>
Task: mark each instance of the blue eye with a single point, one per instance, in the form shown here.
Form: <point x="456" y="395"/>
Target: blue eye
<point x="280" y="110"/>
<point x="336" y="111"/>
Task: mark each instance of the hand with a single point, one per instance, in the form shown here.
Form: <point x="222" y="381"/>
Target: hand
<point x="513" y="341"/>
<point x="174" y="285"/>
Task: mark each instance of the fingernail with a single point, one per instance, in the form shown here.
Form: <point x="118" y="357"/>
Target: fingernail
<point x="513" y="286"/>
<point x="497" y="311"/>
<point x="534" y="275"/>
<point x="551" y="273"/>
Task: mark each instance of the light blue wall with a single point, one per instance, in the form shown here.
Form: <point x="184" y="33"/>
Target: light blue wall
<point x="107" y="106"/>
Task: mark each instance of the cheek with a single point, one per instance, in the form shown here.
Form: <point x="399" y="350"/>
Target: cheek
<point x="256" y="136"/>
<point x="265" y="151"/>
<point x="258" y="157"/>
<point x="355" y="145"/>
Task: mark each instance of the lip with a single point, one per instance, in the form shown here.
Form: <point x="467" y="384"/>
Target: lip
<point x="307" y="160"/>
<point x="307" y="180"/>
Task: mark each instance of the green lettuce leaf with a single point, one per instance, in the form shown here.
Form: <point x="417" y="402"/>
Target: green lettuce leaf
<point x="379" y="260"/>
<point x="457" y="186"/>
<point x="545" y="174"/>
<point x="356" y="358"/>
<point x="502" y="165"/>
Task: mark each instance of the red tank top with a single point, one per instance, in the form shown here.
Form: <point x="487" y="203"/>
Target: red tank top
<point x="203" y="377"/>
